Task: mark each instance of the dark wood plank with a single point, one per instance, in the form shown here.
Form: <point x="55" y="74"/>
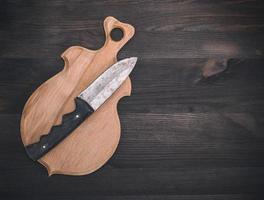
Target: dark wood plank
<point x="183" y="157"/>
<point x="166" y="29"/>
<point x="159" y="85"/>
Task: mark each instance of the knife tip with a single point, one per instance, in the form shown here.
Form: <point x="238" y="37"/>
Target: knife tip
<point x="133" y="61"/>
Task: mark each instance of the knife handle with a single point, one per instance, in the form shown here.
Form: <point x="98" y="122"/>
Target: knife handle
<point x="69" y="122"/>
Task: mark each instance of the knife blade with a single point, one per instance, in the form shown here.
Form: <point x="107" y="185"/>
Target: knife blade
<point x="86" y="103"/>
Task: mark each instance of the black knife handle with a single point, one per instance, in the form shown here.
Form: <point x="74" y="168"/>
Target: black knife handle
<point x="70" y="122"/>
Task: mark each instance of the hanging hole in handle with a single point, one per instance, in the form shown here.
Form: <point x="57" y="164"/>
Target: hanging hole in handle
<point x="117" y="34"/>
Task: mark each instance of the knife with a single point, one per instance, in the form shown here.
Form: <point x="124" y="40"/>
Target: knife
<point x="86" y="103"/>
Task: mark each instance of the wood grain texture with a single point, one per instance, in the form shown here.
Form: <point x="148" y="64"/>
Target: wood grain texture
<point x="189" y="132"/>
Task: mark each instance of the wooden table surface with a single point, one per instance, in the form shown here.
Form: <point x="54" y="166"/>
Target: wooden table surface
<point x="193" y="127"/>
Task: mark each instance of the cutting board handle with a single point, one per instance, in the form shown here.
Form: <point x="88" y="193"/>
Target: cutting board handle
<point x="111" y="23"/>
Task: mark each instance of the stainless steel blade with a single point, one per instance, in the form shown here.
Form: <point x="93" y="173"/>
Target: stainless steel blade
<point x="107" y="83"/>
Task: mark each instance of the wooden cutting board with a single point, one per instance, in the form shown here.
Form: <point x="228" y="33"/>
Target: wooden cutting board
<point x="96" y="139"/>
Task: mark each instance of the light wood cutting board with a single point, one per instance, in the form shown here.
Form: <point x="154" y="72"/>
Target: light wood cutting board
<point x="96" y="139"/>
